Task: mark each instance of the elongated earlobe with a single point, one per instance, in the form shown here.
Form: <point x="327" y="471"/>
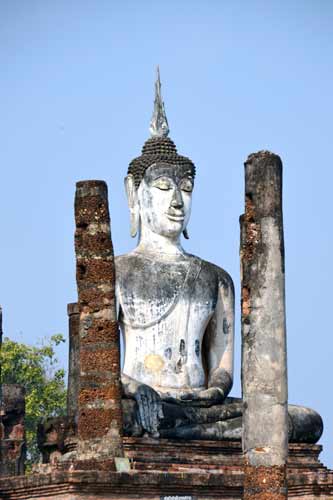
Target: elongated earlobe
<point x="133" y="205"/>
<point x="186" y="235"/>
<point x="134" y="221"/>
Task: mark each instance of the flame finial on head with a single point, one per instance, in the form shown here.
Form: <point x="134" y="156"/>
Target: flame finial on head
<point x="159" y="148"/>
<point x="159" y="123"/>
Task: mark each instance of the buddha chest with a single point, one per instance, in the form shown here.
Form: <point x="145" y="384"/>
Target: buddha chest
<point x="164" y="310"/>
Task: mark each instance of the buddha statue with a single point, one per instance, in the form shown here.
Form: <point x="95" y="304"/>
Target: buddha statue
<point x="176" y="311"/>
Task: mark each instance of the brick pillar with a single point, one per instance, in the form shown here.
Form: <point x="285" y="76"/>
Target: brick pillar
<point x="264" y="357"/>
<point x="99" y="403"/>
<point x="12" y="442"/>
<point x="73" y="360"/>
<point x="12" y="433"/>
<point x="2" y="411"/>
<point x="2" y="408"/>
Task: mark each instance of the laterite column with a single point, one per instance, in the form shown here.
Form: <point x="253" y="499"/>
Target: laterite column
<point x="2" y="407"/>
<point x="99" y="403"/>
<point x="73" y="385"/>
<point x="12" y="431"/>
<point x="1" y="392"/>
<point x="264" y="356"/>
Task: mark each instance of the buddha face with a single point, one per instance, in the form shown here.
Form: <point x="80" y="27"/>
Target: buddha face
<point x="164" y="199"/>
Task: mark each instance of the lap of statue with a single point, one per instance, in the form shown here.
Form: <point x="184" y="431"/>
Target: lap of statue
<point x="217" y="422"/>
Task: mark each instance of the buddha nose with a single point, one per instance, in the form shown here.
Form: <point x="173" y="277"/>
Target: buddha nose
<point x="177" y="200"/>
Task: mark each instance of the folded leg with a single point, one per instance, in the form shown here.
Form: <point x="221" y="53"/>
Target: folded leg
<point x="219" y="422"/>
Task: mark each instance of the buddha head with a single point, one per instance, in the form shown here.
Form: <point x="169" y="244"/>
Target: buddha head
<point x="159" y="183"/>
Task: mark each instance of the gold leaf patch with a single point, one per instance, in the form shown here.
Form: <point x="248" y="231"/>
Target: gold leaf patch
<point x="154" y="363"/>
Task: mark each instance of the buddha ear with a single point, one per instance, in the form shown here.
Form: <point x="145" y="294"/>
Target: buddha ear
<point x="186" y="235"/>
<point x="132" y="198"/>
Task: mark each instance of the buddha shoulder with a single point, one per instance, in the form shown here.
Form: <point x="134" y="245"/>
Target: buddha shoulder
<point x="212" y="272"/>
<point x="148" y="269"/>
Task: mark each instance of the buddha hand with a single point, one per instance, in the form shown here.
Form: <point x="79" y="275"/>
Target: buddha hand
<point x="213" y="394"/>
<point x="150" y="408"/>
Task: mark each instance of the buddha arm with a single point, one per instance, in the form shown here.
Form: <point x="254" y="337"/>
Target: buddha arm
<point x="218" y="347"/>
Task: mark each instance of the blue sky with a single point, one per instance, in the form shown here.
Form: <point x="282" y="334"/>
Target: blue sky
<point x="76" y="96"/>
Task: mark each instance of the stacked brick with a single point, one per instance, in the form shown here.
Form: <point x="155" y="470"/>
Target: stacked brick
<point x="99" y="400"/>
<point x="73" y="361"/>
<point x="57" y="436"/>
<point x="12" y="432"/>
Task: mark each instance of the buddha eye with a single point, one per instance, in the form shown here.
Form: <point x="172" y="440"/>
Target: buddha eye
<point x="186" y="185"/>
<point x="162" y="183"/>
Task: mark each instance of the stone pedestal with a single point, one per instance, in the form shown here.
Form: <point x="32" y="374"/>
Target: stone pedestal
<point x="199" y="470"/>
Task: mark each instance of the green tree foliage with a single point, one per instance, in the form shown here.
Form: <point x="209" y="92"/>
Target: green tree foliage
<point x="37" y="369"/>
